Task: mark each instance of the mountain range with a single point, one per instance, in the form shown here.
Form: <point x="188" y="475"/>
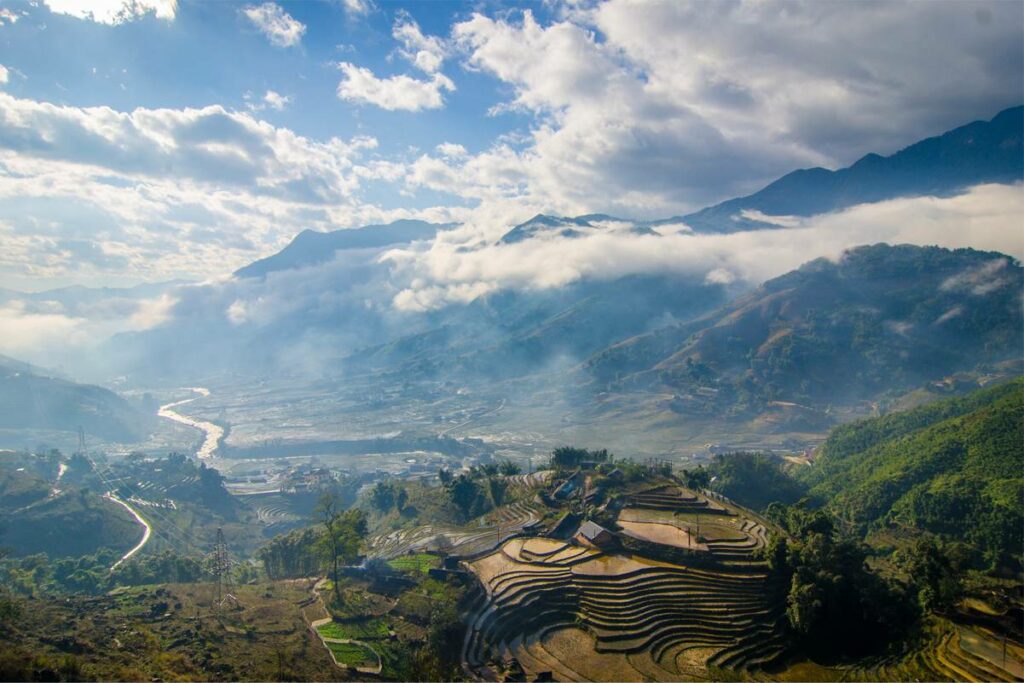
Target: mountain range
<point x="880" y="319"/>
<point x="979" y="152"/>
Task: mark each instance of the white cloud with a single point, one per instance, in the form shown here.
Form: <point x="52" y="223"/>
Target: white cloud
<point x="358" y="7"/>
<point x="113" y="11"/>
<point x="280" y="28"/>
<point x="980" y="280"/>
<point x="452" y="150"/>
<point x="4" y="75"/>
<point x="653" y="109"/>
<point x="211" y="145"/>
<point x="276" y="100"/>
<point x="92" y="193"/>
<point x="761" y="217"/>
<point x="237" y="312"/>
<point x="8" y="16"/>
<point x="46" y="331"/>
<point x="26" y="331"/>
<point x="455" y="268"/>
<point x="426" y="53"/>
<point x="400" y="92"/>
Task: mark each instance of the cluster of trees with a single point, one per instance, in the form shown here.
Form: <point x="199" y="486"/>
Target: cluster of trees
<point x="481" y="489"/>
<point x="438" y="658"/>
<point x="19" y="664"/>
<point x="465" y="494"/>
<point x="387" y="495"/>
<point x="505" y="468"/>
<point x="292" y="555"/>
<point x="835" y="605"/>
<point x="36" y="575"/>
<point x="177" y="475"/>
<point x="570" y="457"/>
<point x="754" y="479"/>
<point x="935" y="569"/>
<point x="697" y="478"/>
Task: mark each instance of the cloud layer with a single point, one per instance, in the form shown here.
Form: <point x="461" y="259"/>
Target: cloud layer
<point x="636" y="109"/>
<point x="161" y="193"/>
<point x="449" y="271"/>
<point x="114" y="11"/>
<point x="649" y="109"/>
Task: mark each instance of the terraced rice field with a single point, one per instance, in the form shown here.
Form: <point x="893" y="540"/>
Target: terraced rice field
<point x="727" y="535"/>
<point x="676" y="499"/>
<point x="585" y="615"/>
<point x="275" y="512"/>
<point x="957" y="653"/>
<point x="662" y="532"/>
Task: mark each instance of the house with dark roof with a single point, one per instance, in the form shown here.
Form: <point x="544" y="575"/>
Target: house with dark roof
<point x="568" y="487"/>
<point x="594" y="535"/>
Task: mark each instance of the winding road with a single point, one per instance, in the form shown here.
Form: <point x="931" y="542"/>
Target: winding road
<point x="214" y="433"/>
<point x="138" y="518"/>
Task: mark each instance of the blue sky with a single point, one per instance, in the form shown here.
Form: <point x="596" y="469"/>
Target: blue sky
<point x="155" y="140"/>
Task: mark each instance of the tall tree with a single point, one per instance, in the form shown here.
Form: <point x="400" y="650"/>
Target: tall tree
<point x="344" y="531"/>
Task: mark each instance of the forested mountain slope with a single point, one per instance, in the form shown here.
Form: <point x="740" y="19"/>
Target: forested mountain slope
<point x="955" y="467"/>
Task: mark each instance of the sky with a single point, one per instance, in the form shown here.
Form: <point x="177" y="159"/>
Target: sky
<point x="148" y="140"/>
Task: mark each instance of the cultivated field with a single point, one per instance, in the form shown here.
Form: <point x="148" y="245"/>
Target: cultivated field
<point x="586" y="614"/>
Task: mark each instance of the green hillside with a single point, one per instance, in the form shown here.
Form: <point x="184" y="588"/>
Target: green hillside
<point x="30" y="401"/>
<point x="70" y="521"/>
<point x="953" y="468"/>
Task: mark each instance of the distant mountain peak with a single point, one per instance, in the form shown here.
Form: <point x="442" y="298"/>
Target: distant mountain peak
<point x="978" y="152"/>
<point x="311" y="247"/>
<point x="544" y="225"/>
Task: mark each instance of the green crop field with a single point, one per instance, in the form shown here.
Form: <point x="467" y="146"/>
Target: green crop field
<point x="420" y="563"/>
<point x="352" y="654"/>
<point x="360" y="630"/>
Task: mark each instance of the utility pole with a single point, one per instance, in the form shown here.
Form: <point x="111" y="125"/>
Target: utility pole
<point x="81" y="440"/>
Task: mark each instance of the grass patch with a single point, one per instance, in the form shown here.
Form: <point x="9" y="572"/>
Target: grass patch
<point x="359" y="630"/>
<point x="419" y="563"/>
<point x="352" y="654"/>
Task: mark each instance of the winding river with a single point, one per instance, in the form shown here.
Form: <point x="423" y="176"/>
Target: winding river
<point x="214" y="433"/>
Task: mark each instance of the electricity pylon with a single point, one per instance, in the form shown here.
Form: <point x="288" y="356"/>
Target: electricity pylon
<point x="220" y="565"/>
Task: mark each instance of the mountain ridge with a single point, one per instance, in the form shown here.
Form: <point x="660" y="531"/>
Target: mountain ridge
<point x="940" y="165"/>
<point x="881" y="317"/>
<point x="310" y="247"/>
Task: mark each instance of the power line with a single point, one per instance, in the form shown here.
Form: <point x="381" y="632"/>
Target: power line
<point x="163" y="534"/>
